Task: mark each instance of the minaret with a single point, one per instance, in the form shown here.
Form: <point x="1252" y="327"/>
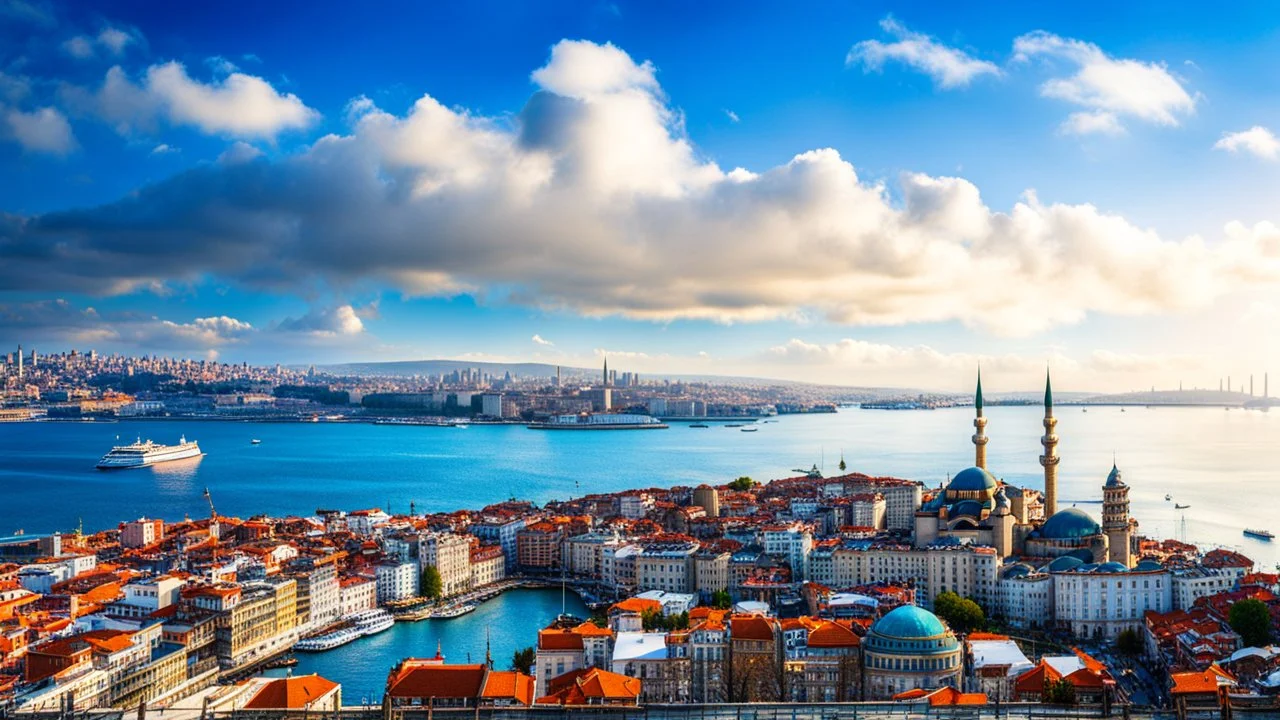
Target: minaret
<point x="606" y="372"/>
<point x="1049" y="460"/>
<point x="1115" y="518"/>
<point x="980" y="426"/>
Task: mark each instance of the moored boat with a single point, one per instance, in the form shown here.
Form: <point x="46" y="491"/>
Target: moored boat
<point x="142" y="454"/>
<point x="1259" y="534"/>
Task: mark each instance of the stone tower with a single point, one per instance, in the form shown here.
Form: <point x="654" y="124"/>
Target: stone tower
<point x="1049" y="460"/>
<point x="980" y="427"/>
<point x="1115" y="518"/>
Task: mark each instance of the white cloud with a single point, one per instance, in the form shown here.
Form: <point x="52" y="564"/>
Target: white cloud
<point x="597" y="203"/>
<point x="538" y="340"/>
<point x="1257" y="140"/>
<point x="79" y="47"/>
<point x="1118" y="86"/>
<point x="733" y="116"/>
<point x="114" y="40"/>
<point x="238" y="105"/>
<point x="948" y="66"/>
<point x="111" y="39"/>
<point x="164" y="149"/>
<point x="43" y="130"/>
<point x="325" y="322"/>
<point x="1097" y="122"/>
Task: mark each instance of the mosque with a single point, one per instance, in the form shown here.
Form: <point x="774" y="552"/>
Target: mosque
<point x="977" y="507"/>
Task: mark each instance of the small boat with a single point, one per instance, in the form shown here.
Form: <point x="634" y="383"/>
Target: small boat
<point x="734" y="425"/>
<point x="750" y="429"/>
<point x="461" y="426"/>
<point x="1167" y="498"/>
<point x="1178" y="506"/>
<point x="1259" y="534"/>
<point x="699" y="425"/>
<point x="255" y="441"/>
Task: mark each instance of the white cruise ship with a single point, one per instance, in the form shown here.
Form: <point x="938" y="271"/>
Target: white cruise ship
<point x="141" y="454"/>
<point x="599" y="421"/>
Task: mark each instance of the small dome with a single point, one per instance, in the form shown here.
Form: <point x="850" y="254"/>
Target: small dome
<point x="909" y="622"/>
<point x="972" y="508"/>
<point x="1113" y="477"/>
<point x="1148" y="565"/>
<point x="973" y="479"/>
<point x="1065" y="563"/>
<point x="1069" y="524"/>
<point x="1017" y="570"/>
<point x="1112" y="567"/>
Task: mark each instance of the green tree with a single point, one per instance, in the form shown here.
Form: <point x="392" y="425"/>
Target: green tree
<point x="742" y="484"/>
<point x="721" y="600"/>
<point x="962" y="614"/>
<point x="842" y="465"/>
<point x="522" y="660"/>
<point x="1251" y="619"/>
<point x="1129" y="642"/>
<point x="432" y="585"/>
<point x="1059" y="692"/>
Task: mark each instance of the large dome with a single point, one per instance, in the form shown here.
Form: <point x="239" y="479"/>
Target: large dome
<point x="973" y="479"/>
<point x="1069" y="524"/>
<point x="909" y="622"/>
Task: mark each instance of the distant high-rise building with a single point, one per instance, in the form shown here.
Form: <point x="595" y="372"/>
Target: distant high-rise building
<point x="19" y="362"/>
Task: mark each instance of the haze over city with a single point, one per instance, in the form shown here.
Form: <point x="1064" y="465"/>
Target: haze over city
<point x="861" y="195"/>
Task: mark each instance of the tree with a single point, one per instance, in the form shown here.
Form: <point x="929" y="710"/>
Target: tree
<point x="742" y="484"/>
<point x="522" y="660"/>
<point x="1129" y="642"/>
<point x="721" y="600"/>
<point x="962" y="614"/>
<point x="842" y="465"/>
<point x="432" y="585"/>
<point x="1251" y="619"/>
<point x="1059" y="692"/>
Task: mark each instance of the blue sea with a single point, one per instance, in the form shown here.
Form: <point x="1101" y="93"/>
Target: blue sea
<point x="1222" y="463"/>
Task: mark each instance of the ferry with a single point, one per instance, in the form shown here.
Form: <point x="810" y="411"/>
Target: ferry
<point x="699" y="425"/>
<point x="255" y="441"/>
<point x="599" y="421"/>
<point x="749" y="429"/>
<point x="142" y="454"/>
<point x="1180" y="506"/>
<point x="1260" y="534"/>
<point x="354" y="627"/>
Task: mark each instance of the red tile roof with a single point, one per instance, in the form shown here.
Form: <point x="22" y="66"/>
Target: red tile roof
<point x="291" y="693"/>
<point x="592" y="686"/>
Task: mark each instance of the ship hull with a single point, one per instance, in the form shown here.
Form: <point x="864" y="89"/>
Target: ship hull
<point x="156" y="458"/>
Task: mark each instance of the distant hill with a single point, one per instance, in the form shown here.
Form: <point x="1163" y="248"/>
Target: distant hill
<point x="1178" y="397"/>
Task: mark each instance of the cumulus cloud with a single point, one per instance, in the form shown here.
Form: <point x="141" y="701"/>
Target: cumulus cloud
<point x="538" y="340"/>
<point x="238" y="105"/>
<point x="1107" y="85"/>
<point x="325" y="322"/>
<point x="43" y="130"/>
<point x="1257" y="140"/>
<point x="733" y="116"/>
<point x="112" y="40"/>
<point x="593" y="200"/>
<point x="59" y="320"/>
<point x="948" y="66"/>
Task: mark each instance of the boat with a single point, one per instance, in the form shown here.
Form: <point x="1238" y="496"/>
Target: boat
<point x="142" y="454"/>
<point x="453" y="611"/>
<point x="737" y="425"/>
<point x="353" y="627"/>
<point x="750" y="429"/>
<point x="255" y="441"/>
<point x="599" y="421"/>
<point x="461" y="426"/>
<point x="1260" y="534"/>
<point x="699" y="425"/>
<point x="1167" y="498"/>
<point x="1178" y="506"/>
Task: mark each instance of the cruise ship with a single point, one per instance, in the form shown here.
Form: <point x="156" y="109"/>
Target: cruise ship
<point x="599" y="421"/>
<point x="141" y="454"/>
<point x="354" y="627"/>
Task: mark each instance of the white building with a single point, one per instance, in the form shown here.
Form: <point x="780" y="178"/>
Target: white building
<point x="1101" y="601"/>
<point x="635" y="505"/>
<point x="996" y="666"/>
<point x="667" y="567"/>
<point x="449" y="554"/>
<point x="868" y="510"/>
<point x="356" y="594"/>
<point x="143" y="597"/>
<point x="1025" y="597"/>
<point x="967" y="570"/>
<point x="672" y="603"/>
<point x="397" y="581"/>
<point x="362" y="522"/>
<point x="792" y="542"/>
<point x="141" y="532"/>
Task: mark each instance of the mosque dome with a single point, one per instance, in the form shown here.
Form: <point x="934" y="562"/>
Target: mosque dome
<point x="1148" y="565"/>
<point x="909" y="622"/>
<point x="972" y="508"/>
<point x="1112" y="567"/>
<point x="1069" y="524"/>
<point x="973" y="479"/>
<point x="1065" y="563"/>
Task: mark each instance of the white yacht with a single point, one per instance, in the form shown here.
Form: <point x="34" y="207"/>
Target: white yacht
<point x="141" y="454"/>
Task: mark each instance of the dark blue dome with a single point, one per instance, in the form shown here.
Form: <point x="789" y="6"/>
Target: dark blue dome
<point x="972" y="508"/>
<point x="1112" y="567"/>
<point x="1148" y="565"/>
<point x="1113" y="478"/>
<point x="1069" y="524"/>
<point x="909" y="622"/>
<point x="973" y="479"/>
<point x="1065" y="563"/>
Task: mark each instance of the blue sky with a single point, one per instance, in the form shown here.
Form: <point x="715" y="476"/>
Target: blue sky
<point x="872" y="194"/>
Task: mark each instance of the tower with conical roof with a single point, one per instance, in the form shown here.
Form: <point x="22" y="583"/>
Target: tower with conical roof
<point x="1115" y="518"/>
<point x="1049" y="460"/>
<point x="606" y="373"/>
<point x="980" y="428"/>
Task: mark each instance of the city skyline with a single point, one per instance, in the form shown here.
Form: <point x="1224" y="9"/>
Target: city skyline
<point x="891" y="201"/>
